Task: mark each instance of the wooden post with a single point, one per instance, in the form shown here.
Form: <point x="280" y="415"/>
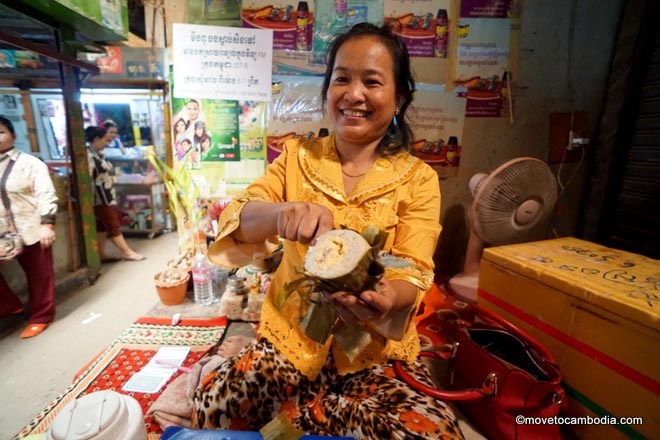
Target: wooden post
<point x="78" y="152"/>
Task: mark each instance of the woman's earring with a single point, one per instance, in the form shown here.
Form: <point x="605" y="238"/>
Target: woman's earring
<point x="395" y="123"/>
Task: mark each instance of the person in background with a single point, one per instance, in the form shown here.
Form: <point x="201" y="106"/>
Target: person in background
<point x="33" y="205"/>
<point x="363" y="174"/>
<point x="101" y="173"/>
<point x="113" y="136"/>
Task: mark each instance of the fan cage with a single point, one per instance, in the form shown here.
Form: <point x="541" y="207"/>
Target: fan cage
<point x="501" y="194"/>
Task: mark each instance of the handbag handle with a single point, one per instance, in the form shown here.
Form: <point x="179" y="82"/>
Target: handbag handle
<point x="492" y="318"/>
<point x="488" y="387"/>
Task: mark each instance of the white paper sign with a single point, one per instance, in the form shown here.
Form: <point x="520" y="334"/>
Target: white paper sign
<point x="152" y="377"/>
<point x="219" y="62"/>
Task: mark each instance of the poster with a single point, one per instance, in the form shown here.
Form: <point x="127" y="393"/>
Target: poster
<point x="293" y="28"/>
<point x="422" y="25"/>
<point x="219" y="127"/>
<point x="222" y="62"/>
<point x="482" y="65"/>
<point x="215" y="12"/>
<point x="335" y="17"/>
<point x="437" y="117"/>
<point x="295" y="111"/>
<point x="11" y="107"/>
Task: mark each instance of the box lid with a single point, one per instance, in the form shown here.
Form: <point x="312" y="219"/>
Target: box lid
<point x="621" y="282"/>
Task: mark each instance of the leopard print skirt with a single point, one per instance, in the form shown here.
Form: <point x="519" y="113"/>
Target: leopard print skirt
<point x="249" y="390"/>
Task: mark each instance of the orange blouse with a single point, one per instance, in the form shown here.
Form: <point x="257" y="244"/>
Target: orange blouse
<point x="399" y="194"/>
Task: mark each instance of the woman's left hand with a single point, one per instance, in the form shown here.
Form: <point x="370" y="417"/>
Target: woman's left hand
<point x="370" y="305"/>
<point x="47" y="236"/>
<point x="385" y="309"/>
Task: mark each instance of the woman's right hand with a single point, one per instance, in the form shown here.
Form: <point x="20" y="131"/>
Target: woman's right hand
<point x="303" y="222"/>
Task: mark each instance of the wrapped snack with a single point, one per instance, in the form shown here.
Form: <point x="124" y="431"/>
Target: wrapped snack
<point x="341" y="260"/>
<point x="344" y="260"/>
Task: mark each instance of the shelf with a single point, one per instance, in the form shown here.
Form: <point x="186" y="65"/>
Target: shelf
<point x="142" y="204"/>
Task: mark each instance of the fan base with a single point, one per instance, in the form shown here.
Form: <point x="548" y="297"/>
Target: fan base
<point x="464" y="286"/>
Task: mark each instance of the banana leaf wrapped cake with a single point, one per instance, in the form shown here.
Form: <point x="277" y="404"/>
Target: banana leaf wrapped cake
<point x="341" y="260"/>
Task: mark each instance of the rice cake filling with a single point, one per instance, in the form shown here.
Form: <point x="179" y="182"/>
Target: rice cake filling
<point x="335" y="253"/>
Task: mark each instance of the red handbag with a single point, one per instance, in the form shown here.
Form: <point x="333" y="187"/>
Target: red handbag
<point x="499" y="375"/>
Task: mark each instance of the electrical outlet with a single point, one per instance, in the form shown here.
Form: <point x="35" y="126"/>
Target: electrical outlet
<point x="575" y="141"/>
<point x="567" y="136"/>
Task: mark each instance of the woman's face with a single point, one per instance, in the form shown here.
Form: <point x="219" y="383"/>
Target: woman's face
<point x="199" y="130"/>
<point x="99" y="143"/>
<point x="6" y="139"/>
<point x="112" y="133"/>
<point x="180" y="127"/>
<point x="361" y="98"/>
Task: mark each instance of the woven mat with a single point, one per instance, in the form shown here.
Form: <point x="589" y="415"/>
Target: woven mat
<point x="133" y="349"/>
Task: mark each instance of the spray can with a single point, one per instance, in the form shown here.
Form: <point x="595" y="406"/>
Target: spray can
<point x="441" y="34"/>
<point x="302" y="23"/>
<point x="452" y="149"/>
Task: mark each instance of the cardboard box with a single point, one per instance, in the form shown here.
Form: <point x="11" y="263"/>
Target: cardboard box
<point x="597" y="310"/>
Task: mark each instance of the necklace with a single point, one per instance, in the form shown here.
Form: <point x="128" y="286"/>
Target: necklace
<point x="351" y="175"/>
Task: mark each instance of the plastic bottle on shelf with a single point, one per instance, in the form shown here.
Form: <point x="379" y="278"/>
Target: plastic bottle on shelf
<point x="202" y="281"/>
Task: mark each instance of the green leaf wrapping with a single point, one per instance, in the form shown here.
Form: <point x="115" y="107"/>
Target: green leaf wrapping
<point x="321" y="317"/>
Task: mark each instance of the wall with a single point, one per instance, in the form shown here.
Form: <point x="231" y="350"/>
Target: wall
<point x="565" y="51"/>
<point x="555" y="74"/>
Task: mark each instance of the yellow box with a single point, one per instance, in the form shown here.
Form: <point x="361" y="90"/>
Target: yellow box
<point x="597" y="310"/>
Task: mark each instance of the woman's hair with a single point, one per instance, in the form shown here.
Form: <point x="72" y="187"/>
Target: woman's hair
<point x="93" y="132"/>
<point x="7" y="123"/>
<point x="200" y="124"/>
<point x="399" y="135"/>
<point x="203" y="138"/>
<point x="178" y="121"/>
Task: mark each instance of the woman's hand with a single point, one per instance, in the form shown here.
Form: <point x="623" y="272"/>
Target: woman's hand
<point x="370" y="305"/>
<point x="385" y="309"/>
<point x="47" y="236"/>
<point x="303" y="222"/>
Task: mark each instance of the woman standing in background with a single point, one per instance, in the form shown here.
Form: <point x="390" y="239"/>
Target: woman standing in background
<point x="28" y="190"/>
<point x="101" y="172"/>
<point x="113" y="136"/>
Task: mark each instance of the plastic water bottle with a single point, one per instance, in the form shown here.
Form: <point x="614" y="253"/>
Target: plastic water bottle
<point x="202" y="281"/>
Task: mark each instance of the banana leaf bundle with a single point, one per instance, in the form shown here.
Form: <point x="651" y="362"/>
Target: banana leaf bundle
<point x="341" y="260"/>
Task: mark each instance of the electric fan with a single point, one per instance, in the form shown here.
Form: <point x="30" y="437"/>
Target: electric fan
<point x="509" y="206"/>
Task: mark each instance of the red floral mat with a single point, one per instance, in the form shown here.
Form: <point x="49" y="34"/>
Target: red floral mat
<point x="133" y="349"/>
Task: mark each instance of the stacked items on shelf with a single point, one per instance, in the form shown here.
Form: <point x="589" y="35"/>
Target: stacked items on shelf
<point x="246" y="289"/>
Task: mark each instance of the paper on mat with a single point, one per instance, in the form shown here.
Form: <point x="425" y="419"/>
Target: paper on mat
<point x="152" y="377"/>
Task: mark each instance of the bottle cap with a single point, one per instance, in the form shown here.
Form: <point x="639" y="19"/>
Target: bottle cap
<point x="302" y="6"/>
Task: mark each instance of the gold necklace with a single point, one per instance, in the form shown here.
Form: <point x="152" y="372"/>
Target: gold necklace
<point x="351" y="175"/>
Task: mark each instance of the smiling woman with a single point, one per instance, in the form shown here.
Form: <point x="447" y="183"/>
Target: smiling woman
<point x="360" y="176"/>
